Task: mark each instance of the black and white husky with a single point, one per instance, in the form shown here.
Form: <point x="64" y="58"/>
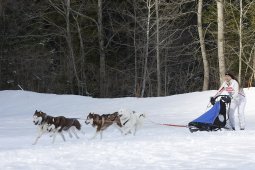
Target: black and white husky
<point x="40" y="119"/>
<point x="130" y="121"/>
<point x="57" y="125"/>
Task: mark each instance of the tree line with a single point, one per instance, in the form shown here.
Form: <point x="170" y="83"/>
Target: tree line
<point x="115" y="48"/>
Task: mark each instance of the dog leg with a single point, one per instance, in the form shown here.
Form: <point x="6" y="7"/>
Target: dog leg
<point x="62" y="135"/>
<point x="94" y="135"/>
<point x="119" y="128"/>
<point x="37" y="138"/>
<point x="51" y="134"/>
<point x="135" y="128"/>
<point x="101" y="134"/>
<point x="73" y="129"/>
<point x="70" y="134"/>
<point x="54" y="137"/>
<point x="126" y="130"/>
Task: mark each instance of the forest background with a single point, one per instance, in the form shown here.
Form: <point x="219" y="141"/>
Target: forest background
<point x="117" y="48"/>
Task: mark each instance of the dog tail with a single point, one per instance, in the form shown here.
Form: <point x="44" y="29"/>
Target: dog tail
<point x="77" y="124"/>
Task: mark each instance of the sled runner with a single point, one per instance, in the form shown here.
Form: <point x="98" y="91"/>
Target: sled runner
<point x="215" y="118"/>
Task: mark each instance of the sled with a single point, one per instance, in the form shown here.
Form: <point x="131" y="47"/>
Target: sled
<point x="215" y="118"/>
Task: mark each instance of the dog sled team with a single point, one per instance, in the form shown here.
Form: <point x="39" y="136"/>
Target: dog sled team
<point x="126" y="121"/>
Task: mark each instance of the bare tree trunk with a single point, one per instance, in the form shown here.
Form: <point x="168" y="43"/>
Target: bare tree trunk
<point x="220" y="19"/>
<point x="102" y="51"/>
<point x="157" y="50"/>
<point x="147" y="47"/>
<point x="83" y="75"/>
<point x="2" y="20"/>
<point x="254" y="65"/>
<point x="69" y="42"/>
<point x="240" y="41"/>
<point x="202" y="45"/>
<point x="165" y="75"/>
<point x="134" y="43"/>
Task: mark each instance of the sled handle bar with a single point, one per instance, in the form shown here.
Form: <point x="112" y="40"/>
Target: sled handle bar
<point x="221" y="96"/>
<point x="225" y="98"/>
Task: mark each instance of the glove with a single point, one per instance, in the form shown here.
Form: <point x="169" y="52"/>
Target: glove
<point x="212" y="100"/>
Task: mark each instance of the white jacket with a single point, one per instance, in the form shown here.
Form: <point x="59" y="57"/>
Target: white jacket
<point x="231" y="88"/>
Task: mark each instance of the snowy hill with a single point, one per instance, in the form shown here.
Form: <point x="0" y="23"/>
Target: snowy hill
<point x="154" y="146"/>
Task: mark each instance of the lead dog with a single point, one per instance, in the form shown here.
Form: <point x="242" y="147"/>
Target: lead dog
<point x="40" y="119"/>
<point x="102" y="122"/>
<point x="61" y="123"/>
<point x="130" y="121"/>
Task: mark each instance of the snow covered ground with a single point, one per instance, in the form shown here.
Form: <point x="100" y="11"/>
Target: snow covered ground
<point x="154" y="146"/>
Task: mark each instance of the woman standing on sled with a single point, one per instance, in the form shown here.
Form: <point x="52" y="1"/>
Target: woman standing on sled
<point x="238" y="100"/>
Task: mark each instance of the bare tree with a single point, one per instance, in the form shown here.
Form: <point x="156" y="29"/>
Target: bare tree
<point x="136" y="86"/>
<point x="82" y="56"/>
<point x="149" y="5"/>
<point x="220" y="20"/>
<point x="157" y="49"/>
<point x="202" y="45"/>
<point x="246" y="43"/>
<point x="101" y="49"/>
<point x="63" y="8"/>
<point x="254" y="65"/>
<point x="240" y="41"/>
<point x="69" y="42"/>
<point x="146" y="46"/>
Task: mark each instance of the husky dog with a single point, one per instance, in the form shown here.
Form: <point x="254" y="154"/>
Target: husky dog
<point x="130" y="121"/>
<point x="102" y="122"/>
<point x="40" y="119"/>
<point x="61" y="123"/>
